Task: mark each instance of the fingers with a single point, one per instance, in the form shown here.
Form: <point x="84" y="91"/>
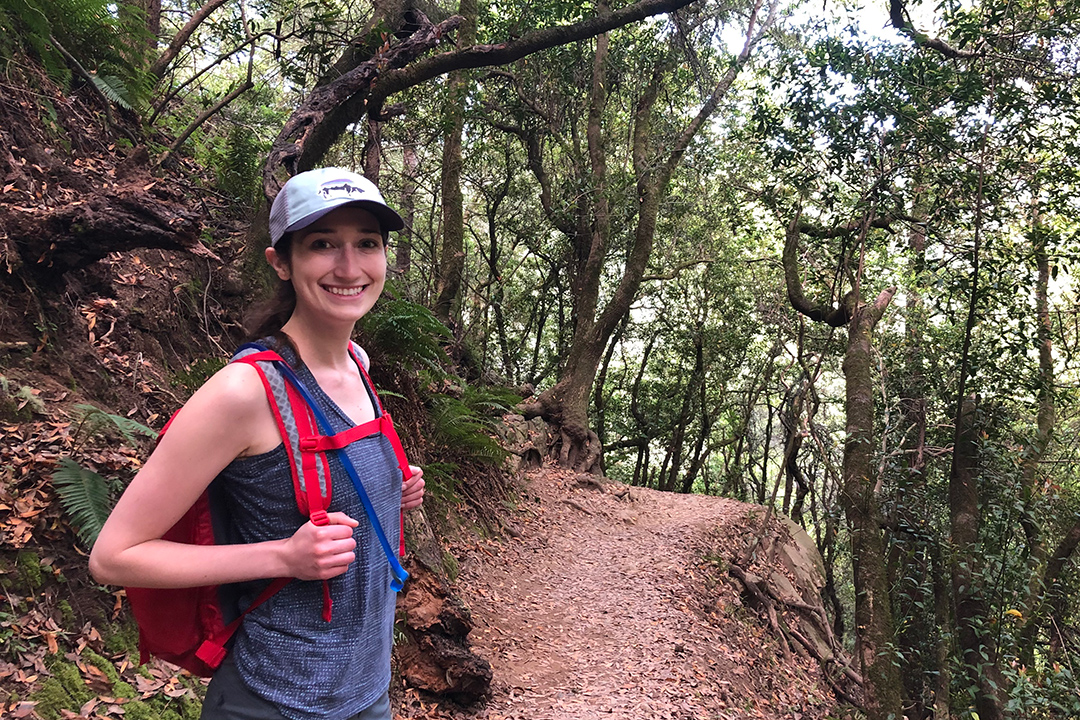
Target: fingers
<point x="412" y="490"/>
<point x="340" y="518"/>
<point x="323" y="552"/>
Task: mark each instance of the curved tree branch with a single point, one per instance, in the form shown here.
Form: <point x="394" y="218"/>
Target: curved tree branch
<point x="899" y="19"/>
<point x="331" y="108"/>
<point x="504" y="53"/>
<point x="185" y="33"/>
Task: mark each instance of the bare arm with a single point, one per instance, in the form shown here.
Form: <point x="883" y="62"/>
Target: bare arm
<point x="228" y="417"/>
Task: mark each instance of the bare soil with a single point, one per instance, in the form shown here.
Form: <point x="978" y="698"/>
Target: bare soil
<point x="622" y="608"/>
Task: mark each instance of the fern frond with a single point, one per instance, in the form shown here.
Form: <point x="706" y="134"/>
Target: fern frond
<point x="489" y="402"/>
<point x="408" y="333"/>
<point x="93" y="421"/>
<point x="85" y="496"/>
<point x="114" y="89"/>
<point x="462" y="433"/>
<point x="439" y="480"/>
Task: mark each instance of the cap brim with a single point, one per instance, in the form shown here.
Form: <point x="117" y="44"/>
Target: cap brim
<point x="388" y="219"/>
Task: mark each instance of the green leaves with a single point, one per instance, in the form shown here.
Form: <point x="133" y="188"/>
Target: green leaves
<point x="410" y="332"/>
<point x="94" y="420"/>
<point x="86" y="496"/>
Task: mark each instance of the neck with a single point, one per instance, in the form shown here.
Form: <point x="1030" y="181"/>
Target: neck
<point x="326" y="347"/>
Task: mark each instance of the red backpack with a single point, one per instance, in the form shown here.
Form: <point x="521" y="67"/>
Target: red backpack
<point x="190" y="627"/>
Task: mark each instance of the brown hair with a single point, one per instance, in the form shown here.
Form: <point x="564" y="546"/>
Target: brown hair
<point x="269" y="316"/>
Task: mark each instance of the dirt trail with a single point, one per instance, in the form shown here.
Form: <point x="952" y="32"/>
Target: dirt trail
<point x="617" y="608"/>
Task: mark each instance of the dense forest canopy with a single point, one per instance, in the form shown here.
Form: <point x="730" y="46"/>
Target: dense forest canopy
<point x="744" y="248"/>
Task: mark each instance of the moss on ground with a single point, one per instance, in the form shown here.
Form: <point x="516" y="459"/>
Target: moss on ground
<point x="29" y="567"/>
<point x="122" y="638"/>
<point x="65" y="690"/>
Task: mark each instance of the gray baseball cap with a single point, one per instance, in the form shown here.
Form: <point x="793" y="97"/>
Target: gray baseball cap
<point x="308" y="196"/>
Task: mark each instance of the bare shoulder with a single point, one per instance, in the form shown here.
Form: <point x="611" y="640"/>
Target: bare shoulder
<point x="226" y="405"/>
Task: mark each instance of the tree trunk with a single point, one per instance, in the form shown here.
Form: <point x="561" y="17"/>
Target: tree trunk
<point x="977" y="647"/>
<point x="873" y="613"/>
<point x="566" y="404"/>
<point x="403" y="251"/>
<point x="917" y="637"/>
<point x="1045" y="421"/>
<point x="451" y="262"/>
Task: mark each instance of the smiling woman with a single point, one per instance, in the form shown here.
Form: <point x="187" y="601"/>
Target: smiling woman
<point x="295" y="656"/>
<point x="337" y="266"/>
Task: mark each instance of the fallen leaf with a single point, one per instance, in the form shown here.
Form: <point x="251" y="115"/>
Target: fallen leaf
<point x="23" y="709"/>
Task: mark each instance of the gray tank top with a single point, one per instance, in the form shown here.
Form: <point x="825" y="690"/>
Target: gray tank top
<point x="284" y="650"/>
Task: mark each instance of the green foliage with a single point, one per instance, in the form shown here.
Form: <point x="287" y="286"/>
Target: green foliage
<point x="465" y="425"/>
<point x="113" y="88"/>
<point x="409" y="332"/>
<point x="106" y="667"/>
<point x="192" y="377"/>
<point x="94" y="421"/>
<point x="122" y="637"/>
<point x="86" y="496"/>
<point x="440" y="482"/>
<point x="18" y="402"/>
<point x="238" y="171"/>
<point x="109" y="43"/>
<point x="1051" y="694"/>
<point x="65" y="690"/>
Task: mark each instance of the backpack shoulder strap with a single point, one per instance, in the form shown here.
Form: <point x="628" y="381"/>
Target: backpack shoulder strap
<point x="328" y="441"/>
<point x="296" y="422"/>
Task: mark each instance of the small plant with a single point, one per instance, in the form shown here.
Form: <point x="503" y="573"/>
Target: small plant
<point x="86" y="496"/>
<point x="410" y="332"/>
<point x="18" y="402"/>
<point x="94" y="421"/>
<point x="198" y="372"/>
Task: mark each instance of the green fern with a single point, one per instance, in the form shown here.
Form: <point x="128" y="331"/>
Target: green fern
<point x="489" y="402"/>
<point x="440" y="482"/>
<point x="113" y="88"/>
<point x="462" y="433"/>
<point x="409" y="333"/>
<point x="95" y="32"/>
<point x="94" y="421"/>
<point x="87" y="498"/>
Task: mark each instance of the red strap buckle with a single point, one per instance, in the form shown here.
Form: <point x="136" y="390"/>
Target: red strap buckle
<point x="320" y="518"/>
<point x="211" y="653"/>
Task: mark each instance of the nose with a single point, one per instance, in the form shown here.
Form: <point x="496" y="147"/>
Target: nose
<point x="350" y="262"/>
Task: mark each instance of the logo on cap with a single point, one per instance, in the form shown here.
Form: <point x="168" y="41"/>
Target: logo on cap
<point x="340" y="188"/>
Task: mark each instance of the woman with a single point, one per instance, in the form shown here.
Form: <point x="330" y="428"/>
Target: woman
<point x="328" y="231"/>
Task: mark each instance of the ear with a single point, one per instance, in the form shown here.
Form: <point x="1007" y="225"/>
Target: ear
<point x="278" y="263"/>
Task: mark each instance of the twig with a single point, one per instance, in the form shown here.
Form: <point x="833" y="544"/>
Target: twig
<point x="89" y="80"/>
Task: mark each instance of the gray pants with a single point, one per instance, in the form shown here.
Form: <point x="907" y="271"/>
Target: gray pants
<point x="228" y="698"/>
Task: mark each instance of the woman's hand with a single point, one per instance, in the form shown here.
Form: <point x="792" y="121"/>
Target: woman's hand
<point x="412" y="490"/>
<point x="320" y="552"/>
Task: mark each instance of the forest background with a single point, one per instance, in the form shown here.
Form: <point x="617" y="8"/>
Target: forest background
<point x="739" y="248"/>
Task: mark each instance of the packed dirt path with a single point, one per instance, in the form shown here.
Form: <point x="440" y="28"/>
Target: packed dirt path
<point x="609" y="607"/>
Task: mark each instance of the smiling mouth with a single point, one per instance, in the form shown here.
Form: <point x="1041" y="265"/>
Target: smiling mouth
<point x="344" y="291"/>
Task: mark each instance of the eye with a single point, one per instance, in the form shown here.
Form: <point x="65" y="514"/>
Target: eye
<point x="319" y="243"/>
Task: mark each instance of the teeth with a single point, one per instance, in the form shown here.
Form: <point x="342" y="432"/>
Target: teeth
<point x="345" y="291"/>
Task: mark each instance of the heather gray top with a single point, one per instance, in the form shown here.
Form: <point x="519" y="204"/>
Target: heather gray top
<point x="285" y="652"/>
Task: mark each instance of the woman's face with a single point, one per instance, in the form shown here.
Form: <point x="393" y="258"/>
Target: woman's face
<point x="337" y="265"/>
